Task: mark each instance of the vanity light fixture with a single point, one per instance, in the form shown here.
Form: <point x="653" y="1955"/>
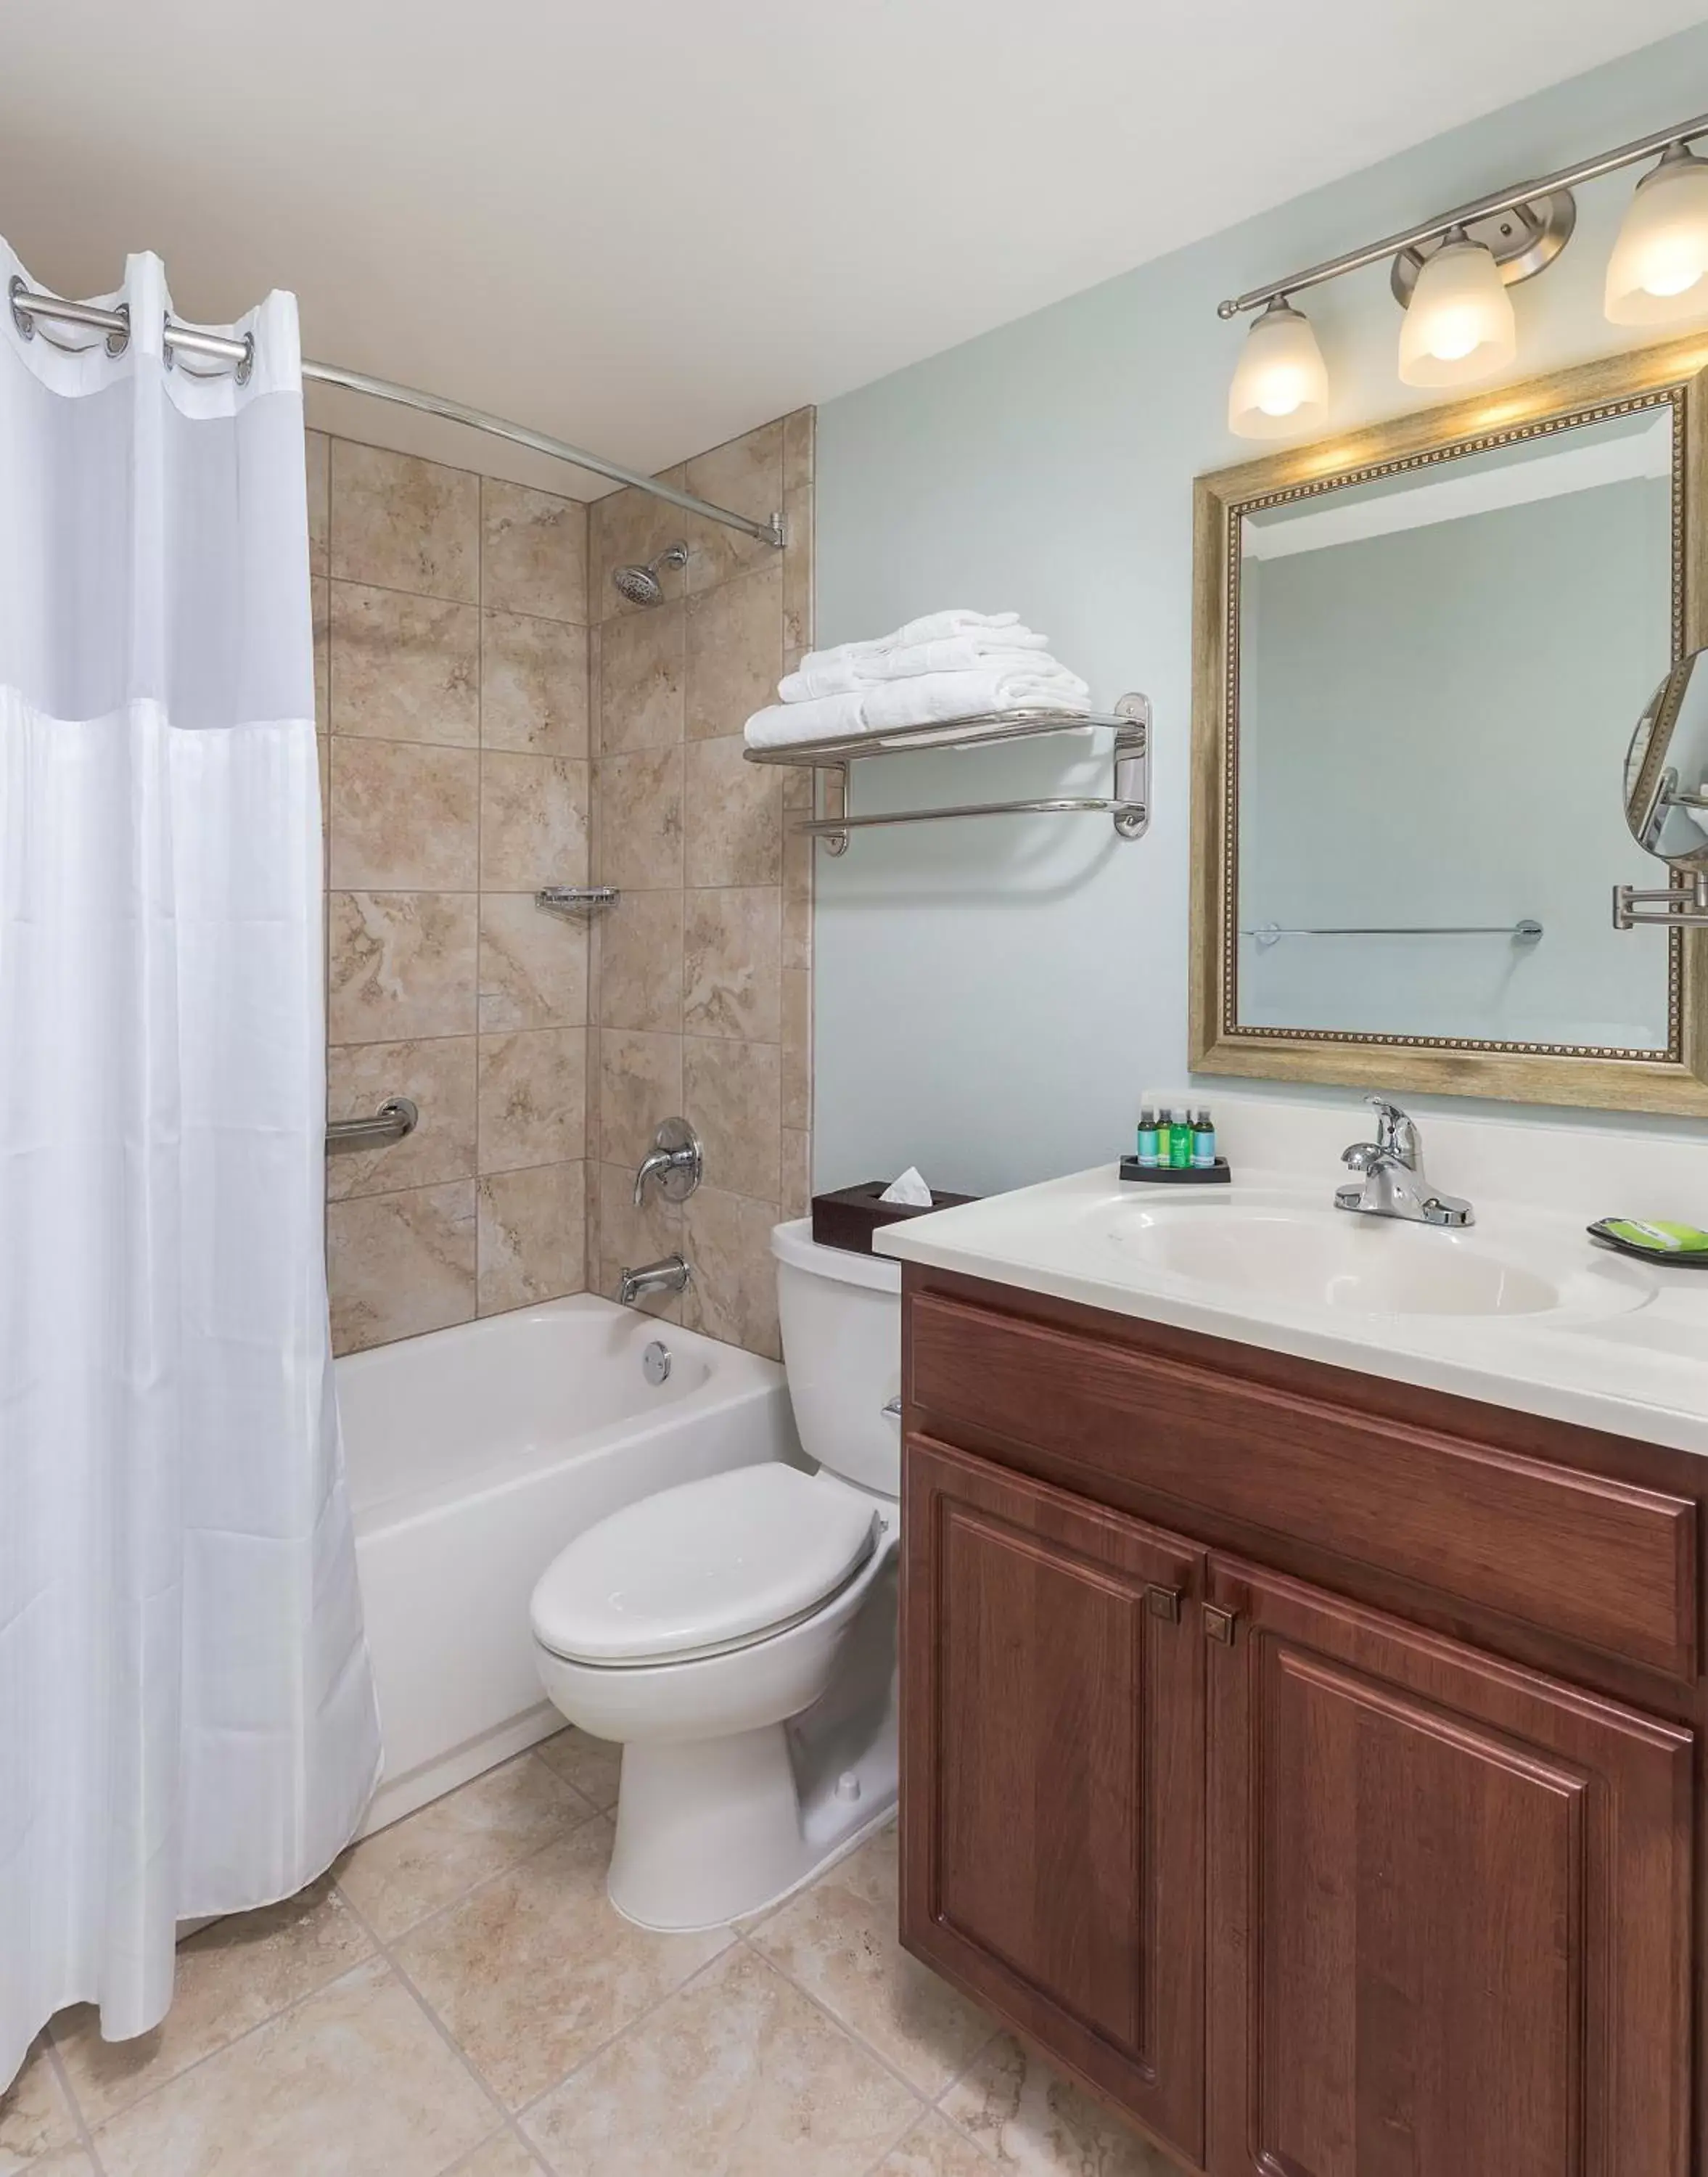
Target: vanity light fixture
<point x="1450" y="273"/>
<point x="1459" y="325"/>
<point x="1281" y="385"/>
<point x="1656" y="272"/>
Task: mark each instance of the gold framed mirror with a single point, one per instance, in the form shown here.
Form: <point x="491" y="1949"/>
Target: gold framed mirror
<point x="1419" y="650"/>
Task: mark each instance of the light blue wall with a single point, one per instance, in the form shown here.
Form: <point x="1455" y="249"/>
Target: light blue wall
<point x="992" y="997"/>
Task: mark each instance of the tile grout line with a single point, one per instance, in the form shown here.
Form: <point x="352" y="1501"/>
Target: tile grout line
<point x="327" y="843"/>
<point x="237" y="2041"/>
<point x="479" y="862"/>
<point x="402" y="1975"/>
<point x="930" y="2111"/>
<point x="700" y="1972"/>
<point x="499" y="1875"/>
<point x="455" y="604"/>
<point x="84" y="2131"/>
<point x="297" y="2003"/>
<point x="928" y="2102"/>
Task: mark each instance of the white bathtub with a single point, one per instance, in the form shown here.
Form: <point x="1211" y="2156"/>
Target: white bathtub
<point x="474" y="1455"/>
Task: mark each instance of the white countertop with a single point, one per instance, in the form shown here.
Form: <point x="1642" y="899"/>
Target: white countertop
<point x="1626" y="1351"/>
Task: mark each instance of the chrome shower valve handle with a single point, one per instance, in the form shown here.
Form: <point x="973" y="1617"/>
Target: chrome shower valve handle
<point x="676" y="1162"/>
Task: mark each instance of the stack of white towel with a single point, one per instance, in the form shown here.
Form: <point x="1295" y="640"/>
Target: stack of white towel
<point x="947" y="665"/>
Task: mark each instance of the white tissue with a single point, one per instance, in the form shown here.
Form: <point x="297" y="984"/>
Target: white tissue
<point x="910" y="1189"/>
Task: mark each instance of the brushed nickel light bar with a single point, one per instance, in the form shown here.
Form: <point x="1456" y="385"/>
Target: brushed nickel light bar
<point x="1520" y="195"/>
<point x="28" y="307"/>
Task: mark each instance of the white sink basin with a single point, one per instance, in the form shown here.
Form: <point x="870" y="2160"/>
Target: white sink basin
<point x="1302" y="1257"/>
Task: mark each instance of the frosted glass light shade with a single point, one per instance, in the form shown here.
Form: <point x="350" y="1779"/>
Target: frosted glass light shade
<point x="1657" y="271"/>
<point x="1459" y="325"/>
<point x="1281" y="385"/>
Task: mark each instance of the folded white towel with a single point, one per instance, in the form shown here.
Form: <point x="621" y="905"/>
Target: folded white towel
<point x="965" y="654"/>
<point x="825" y="719"/>
<point x="928" y="697"/>
<point x="819" y="675"/>
<point x="936" y="627"/>
<point x="1000" y="631"/>
<point x="960" y="654"/>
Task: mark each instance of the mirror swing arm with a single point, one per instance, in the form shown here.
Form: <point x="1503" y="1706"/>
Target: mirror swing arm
<point x="1670" y="907"/>
<point x="1594" y="1074"/>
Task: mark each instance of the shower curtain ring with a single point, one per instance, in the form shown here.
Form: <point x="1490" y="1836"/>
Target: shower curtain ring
<point x="118" y="340"/>
<point x="22" y="319"/>
<point x="247" y="363"/>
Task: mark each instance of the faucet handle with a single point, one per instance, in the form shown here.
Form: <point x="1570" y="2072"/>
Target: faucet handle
<point x="675" y="1160"/>
<point x="1394" y="1130"/>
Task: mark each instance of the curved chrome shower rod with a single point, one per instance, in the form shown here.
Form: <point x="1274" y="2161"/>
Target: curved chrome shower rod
<point x="240" y="354"/>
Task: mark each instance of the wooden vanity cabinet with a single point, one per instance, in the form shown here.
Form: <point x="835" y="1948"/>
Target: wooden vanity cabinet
<point x="1054" y="1705"/>
<point x="1449" y="1906"/>
<point x="1311" y="1871"/>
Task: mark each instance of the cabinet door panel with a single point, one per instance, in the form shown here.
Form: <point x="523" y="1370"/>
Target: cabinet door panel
<point x="1449" y="1907"/>
<point x="1052" y="1789"/>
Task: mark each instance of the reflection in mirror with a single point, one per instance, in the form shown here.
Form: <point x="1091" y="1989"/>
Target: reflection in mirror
<point x="1436" y="670"/>
<point x="1667" y="768"/>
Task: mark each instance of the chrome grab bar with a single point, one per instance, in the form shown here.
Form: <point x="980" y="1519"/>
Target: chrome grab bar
<point x="397" y="1116"/>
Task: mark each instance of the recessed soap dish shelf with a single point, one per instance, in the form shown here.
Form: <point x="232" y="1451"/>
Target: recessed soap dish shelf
<point x="1128" y="804"/>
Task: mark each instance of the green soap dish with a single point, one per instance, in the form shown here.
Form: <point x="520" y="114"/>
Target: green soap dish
<point x="1680" y="1246"/>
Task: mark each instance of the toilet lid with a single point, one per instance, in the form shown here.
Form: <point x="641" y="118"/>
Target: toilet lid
<point x="705" y="1565"/>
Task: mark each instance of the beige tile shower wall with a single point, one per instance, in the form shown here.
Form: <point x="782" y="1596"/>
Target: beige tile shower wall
<point x="701" y="976"/>
<point x="452" y="680"/>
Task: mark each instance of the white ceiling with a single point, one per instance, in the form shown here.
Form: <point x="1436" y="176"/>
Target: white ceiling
<point x="646" y="227"/>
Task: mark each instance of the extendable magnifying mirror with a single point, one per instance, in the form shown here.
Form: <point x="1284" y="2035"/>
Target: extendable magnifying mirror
<point x="1667" y="798"/>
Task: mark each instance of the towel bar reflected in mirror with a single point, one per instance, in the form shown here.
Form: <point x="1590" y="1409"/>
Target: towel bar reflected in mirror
<point x="1527" y="932"/>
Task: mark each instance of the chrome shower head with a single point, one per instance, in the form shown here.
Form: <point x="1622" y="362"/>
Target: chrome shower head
<point x="640" y="585"/>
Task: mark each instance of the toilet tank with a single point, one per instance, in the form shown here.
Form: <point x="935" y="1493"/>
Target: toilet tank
<point x="842" y="1351"/>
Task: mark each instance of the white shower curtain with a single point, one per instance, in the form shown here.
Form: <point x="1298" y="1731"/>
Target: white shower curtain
<point x="187" y="1719"/>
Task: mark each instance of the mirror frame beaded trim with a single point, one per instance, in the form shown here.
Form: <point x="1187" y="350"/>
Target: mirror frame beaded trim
<point x="1673" y="1080"/>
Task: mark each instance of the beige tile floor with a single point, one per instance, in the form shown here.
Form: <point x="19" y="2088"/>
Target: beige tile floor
<point x="457" y="1998"/>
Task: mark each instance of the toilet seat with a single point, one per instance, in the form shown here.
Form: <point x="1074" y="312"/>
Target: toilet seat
<point x="704" y="1568"/>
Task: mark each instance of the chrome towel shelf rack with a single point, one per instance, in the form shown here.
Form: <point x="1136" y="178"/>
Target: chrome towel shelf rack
<point x="1128" y="804"/>
<point x="397" y="1115"/>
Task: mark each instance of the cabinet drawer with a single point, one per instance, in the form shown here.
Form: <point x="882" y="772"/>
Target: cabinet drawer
<point x="1597" y="1561"/>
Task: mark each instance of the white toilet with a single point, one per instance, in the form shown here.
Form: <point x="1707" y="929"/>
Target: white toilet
<point x="737" y="1635"/>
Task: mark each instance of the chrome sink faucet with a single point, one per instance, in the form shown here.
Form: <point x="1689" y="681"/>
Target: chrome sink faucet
<point x="1393" y="1182"/>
